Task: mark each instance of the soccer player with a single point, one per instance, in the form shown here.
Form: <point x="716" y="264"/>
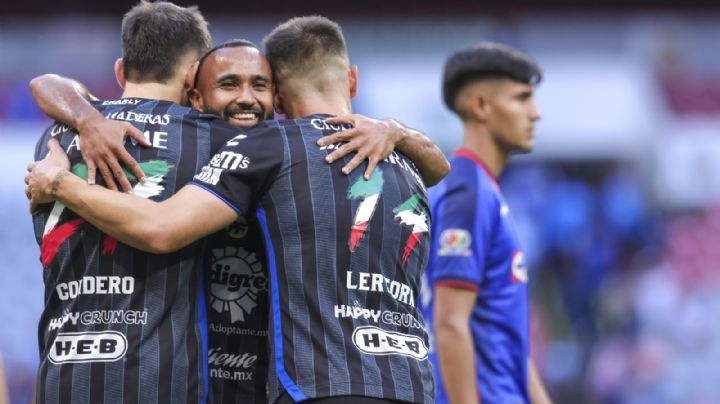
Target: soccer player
<point x="345" y="253"/>
<point x="479" y="306"/>
<point x="121" y="325"/>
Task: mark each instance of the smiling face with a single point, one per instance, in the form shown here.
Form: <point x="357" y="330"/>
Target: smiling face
<point x="235" y="83"/>
<point x="511" y="114"/>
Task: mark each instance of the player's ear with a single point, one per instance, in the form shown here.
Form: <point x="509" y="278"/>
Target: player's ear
<point x="477" y="104"/>
<point x="190" y="75"/>
<point x="277" y="103"/>
<point x="353" y="80"/>
<point x="120" y="72"/>
<point x="195" y="100"/>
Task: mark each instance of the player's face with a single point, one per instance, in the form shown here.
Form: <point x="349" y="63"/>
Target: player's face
<point x="236" y="83"/>
<point x="512" y="116"/>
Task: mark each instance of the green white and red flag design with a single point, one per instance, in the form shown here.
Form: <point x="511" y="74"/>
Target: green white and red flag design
<point x="369" y="190"/>
<point x="411" y="213"/>
<point x="54" y="235"/>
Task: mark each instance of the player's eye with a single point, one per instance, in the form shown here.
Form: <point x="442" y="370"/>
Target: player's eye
<point x="261" y="85"/>
<point x="227" y="85"/>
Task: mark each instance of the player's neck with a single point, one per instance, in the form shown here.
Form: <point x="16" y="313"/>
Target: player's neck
<point x="478" y="140"/>
<point x="153" y="91"/>
<point x="311" y="104"/>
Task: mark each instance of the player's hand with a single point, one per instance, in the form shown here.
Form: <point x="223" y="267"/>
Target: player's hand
<point x="102" y="149"/>
<point x="371" y="139"/>
<point x="44" y="175"/>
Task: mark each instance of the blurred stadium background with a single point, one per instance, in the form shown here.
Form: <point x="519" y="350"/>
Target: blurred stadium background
<point x="618" y="205"/>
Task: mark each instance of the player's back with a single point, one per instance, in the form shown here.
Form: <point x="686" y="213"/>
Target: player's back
<point x="345" y="262"/>
<point x="121" y="325"/>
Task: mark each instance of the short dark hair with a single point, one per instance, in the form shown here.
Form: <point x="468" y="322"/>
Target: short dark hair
<point x="304" y="46"/>
<point x="486" y="60"/>
<point x="233" y="43"/>
<point x="155" y="36"/>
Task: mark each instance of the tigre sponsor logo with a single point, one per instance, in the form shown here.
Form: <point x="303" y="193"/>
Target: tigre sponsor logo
<point x="217" y="359"/>
<point x="375" y="341"/>
<point x="140" y="118"/>
<point x="227" y="330"/>
<point x="236" y="280"/>
<point x="123" y="101"/>
<point x="130" y="317"/>
<point x="455" y="242"/>
<point x="96" y="285"/>
<point x="373" y="282"/>
<point x="321" y="124"/>
<point x="519" y="269"/>
<point x="222" y="161"/>
<point x="79" y="347"/>
<point x="388" y="317"/>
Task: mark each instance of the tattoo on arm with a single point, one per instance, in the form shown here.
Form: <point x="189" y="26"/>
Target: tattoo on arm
<point x="56" y="182"/>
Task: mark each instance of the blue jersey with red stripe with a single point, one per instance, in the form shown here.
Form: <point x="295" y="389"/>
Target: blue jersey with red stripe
<point x="475" y="246"/>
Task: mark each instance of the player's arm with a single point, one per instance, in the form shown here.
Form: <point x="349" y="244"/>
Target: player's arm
<point x="451" y="317"/>
<point x="66" y="100"/>
<point x="538" y="394"/>
<point x="374" y="140"/>
<point x="158" y="227"/>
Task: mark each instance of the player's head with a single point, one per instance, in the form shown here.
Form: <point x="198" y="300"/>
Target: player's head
<point x="492" y="84"/>
<point x="234" y="81"/>
<point x="309" y="58"/>
<point x="160" y="41"/>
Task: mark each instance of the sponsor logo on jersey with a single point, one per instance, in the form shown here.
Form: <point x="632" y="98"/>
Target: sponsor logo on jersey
<point x="388" y="317"/>
<point x="130" y="317"/>
<point x="519" y="269"/>
<point x="220" y="328"/>
<point x="225" y="160"/>
<point x="96" y="285"/>
<point x="374" y="282"/>
<point x="455" y="242"/>
<point x="80" y="347"/>
<point x="239" y="363"/>
<point x="236" y="280"/>
<point x="375" y="341"/>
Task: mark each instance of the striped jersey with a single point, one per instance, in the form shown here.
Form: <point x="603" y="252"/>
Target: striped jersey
<point x="345" y="260"/>
<point x="120" y="325"/>
<point x="475" y="246"/>
<point x="237" y="305"/>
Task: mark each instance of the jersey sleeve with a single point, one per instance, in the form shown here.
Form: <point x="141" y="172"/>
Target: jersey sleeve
<point x="243" y="168"/>
<point x="462" y="235"/>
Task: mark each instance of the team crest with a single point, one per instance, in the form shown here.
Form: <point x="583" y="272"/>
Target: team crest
<point x="236" y="280"/>
<point x="455" y="242"/>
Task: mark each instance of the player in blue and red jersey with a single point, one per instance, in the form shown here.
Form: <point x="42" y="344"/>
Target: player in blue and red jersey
<point x="476" y="272"/>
